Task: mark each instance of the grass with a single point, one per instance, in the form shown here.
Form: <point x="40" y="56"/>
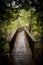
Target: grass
<point x="6" y="47"/>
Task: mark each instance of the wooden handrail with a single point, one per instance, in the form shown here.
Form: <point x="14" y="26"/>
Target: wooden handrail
<point x="33" y="39"/>
<point x="8" y="41"/>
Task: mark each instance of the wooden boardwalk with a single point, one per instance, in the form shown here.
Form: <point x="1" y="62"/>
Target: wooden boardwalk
<point x="21" y="53"/>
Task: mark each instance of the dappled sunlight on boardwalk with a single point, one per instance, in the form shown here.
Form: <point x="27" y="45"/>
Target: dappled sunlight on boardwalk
<point x="21" y="53"/>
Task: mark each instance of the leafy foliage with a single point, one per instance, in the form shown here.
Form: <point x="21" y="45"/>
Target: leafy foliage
<point x="29" y="13"/>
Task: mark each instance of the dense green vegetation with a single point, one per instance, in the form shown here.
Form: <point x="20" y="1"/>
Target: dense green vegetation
<point x="29" y="14"/>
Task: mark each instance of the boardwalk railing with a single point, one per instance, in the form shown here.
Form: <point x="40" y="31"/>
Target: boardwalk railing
<point x="11" y="43"/>
<point x="31" y="41"/>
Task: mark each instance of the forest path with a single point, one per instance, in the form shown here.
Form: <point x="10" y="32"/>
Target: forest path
<point x="21" y="53"/>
